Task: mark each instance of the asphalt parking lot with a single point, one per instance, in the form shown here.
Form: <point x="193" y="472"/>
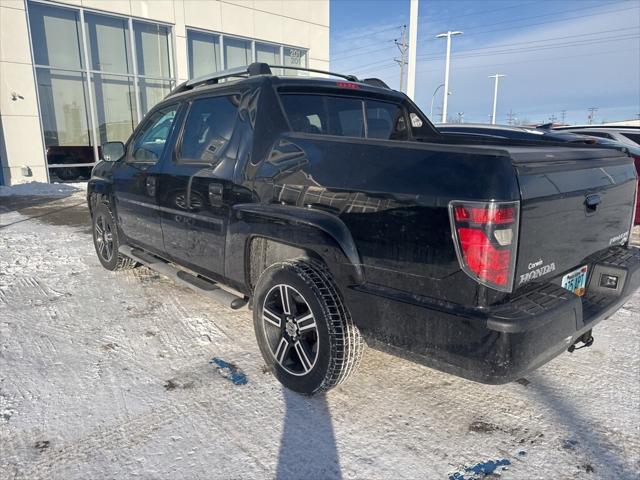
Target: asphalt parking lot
<point x="108" y="375"/>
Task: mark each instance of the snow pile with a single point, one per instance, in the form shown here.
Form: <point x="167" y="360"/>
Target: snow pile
<point x="43" y="189"/>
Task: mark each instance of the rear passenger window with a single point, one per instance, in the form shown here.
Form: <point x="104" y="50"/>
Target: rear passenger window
<point x="208" y="128"/>
<point x="385" y="121"/>
<point x="345" y="116"/>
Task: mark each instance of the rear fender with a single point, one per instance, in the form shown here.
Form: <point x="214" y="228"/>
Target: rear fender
<point x="319" y="234"/>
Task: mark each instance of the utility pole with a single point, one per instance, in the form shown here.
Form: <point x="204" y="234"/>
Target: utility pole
<point x="553" y="118"/>
<point x="413" y="47"/>
<point x="495" y="95"/>
<point x="592" y="114"/>
<point x="563" y="114"/>
<point x="402" y="60"/>
<point x="460" y="117"/>
<point x="448" y="36"/>
<point x="511" y="116"/>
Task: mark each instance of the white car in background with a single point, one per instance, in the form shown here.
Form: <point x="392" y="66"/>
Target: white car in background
<point x="625" y="135"/>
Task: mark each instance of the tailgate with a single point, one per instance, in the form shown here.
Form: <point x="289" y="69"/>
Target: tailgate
<point x="574" y="202"/>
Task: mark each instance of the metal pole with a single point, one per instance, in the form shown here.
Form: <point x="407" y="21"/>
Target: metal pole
<point x="495" y="96"/>
<point x="446" y="79"/>
<point x="413" y="46"/>
<point x="432" y="98"/>
<point x="402" y="61"/>
<point x="448" y="35"/>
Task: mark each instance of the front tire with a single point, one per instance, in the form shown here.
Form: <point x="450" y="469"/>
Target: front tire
<point x="304" y="331"/>
<point x="106" y="240"/>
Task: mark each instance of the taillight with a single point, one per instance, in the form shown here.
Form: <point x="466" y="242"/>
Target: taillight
<point x="485" y="236"/>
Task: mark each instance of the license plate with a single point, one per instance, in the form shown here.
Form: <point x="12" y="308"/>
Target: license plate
<point x="576" y="281"/>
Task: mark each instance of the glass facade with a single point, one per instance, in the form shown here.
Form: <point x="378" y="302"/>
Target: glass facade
<point x="210" y="52"/>
<point x="97" y="75"/>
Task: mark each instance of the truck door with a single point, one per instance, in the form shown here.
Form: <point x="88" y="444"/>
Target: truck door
<point x="136" y="180"/>
<point x="197" y="185"/>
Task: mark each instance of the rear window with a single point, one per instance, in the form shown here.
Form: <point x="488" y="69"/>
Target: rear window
<point x="595" y="134"/>
<point x="345" y="116"/>
<point x="632" y="136"/>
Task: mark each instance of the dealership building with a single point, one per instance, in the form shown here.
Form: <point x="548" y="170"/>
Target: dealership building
<point x="77" y="73"/>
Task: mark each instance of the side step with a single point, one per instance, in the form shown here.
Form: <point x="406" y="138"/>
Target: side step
<point x="198" y="284"/>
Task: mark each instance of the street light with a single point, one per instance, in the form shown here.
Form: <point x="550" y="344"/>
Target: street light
<point x="432" y="97"/>
<point x="448" y="35"/>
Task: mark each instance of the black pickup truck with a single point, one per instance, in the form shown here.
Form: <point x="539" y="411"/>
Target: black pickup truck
<point x="337" y="210"/>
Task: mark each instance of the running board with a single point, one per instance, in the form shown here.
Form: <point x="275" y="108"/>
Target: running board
<point x="182" y="277"/>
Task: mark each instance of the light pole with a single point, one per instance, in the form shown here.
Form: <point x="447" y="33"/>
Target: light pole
<point x="495" y="96"/>
<point x="432" y="97"/>
<point x="448" y="36"/>
<point x="413" y="47"/>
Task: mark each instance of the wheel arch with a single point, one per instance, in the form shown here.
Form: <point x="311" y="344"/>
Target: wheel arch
<point x="99" y="190"/>
<point x="265" y="234"/>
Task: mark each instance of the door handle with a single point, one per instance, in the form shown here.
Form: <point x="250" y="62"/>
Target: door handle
<point x="150" y="184"/>
<point x="215" y="194"/>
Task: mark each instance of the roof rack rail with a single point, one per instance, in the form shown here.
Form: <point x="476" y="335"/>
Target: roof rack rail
<point x="210" y="79"/>
<point x="258" y="68"/>
<point x="351" y="78"/>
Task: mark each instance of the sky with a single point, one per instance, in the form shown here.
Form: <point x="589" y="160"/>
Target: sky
<point x="556" y="54"/>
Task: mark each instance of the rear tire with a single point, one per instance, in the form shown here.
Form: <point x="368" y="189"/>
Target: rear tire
<point x="106" y="240"/>
<point x="304" y="331"/>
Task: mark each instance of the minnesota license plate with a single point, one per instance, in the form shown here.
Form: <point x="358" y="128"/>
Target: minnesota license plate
<point x="576" y="281"/>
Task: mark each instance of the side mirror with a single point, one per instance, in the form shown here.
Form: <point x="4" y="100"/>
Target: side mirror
<point x="112" y="151"/>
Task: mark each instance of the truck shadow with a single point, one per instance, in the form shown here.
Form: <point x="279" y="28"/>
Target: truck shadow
<point x="308" y="445"/>
<point x="586" y="439"/>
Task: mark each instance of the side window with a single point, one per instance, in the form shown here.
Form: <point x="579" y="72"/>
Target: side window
<point x="149" y="144"/>
<point x="345" y="116"/>
<point x="324" y="115"/>
<point x="208" y="128"/>
<point x="386" y="121"/>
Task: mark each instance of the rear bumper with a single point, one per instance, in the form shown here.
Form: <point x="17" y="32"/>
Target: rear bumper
<point x="503" y="343"/>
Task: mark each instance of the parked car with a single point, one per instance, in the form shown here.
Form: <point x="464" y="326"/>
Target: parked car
<point x="336" y="210"/>
<point x="511" y="132"/>
<point x="544" y="133"/>
<point x="625" y="135"/>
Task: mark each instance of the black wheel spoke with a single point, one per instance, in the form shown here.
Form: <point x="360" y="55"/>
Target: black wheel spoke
<point x="285" y="298"/>
<point x="304" y="356"/>
<point x="282" y="350"/>
<point x="306" y="322"/>
<point x="271" y="317"/>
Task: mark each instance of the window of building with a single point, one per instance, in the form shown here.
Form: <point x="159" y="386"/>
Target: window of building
<point x="294" y="57"/>
<point x="88" y="101"/>
<point x="210" y="52"/>
<point x="204" y="53"/>
<point x="208" y="128"/>
<point x="237" y="52"/>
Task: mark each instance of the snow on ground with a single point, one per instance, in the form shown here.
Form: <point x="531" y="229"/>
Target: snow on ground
<point x="42" y="189"/>
<point x="107" y="375"/>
